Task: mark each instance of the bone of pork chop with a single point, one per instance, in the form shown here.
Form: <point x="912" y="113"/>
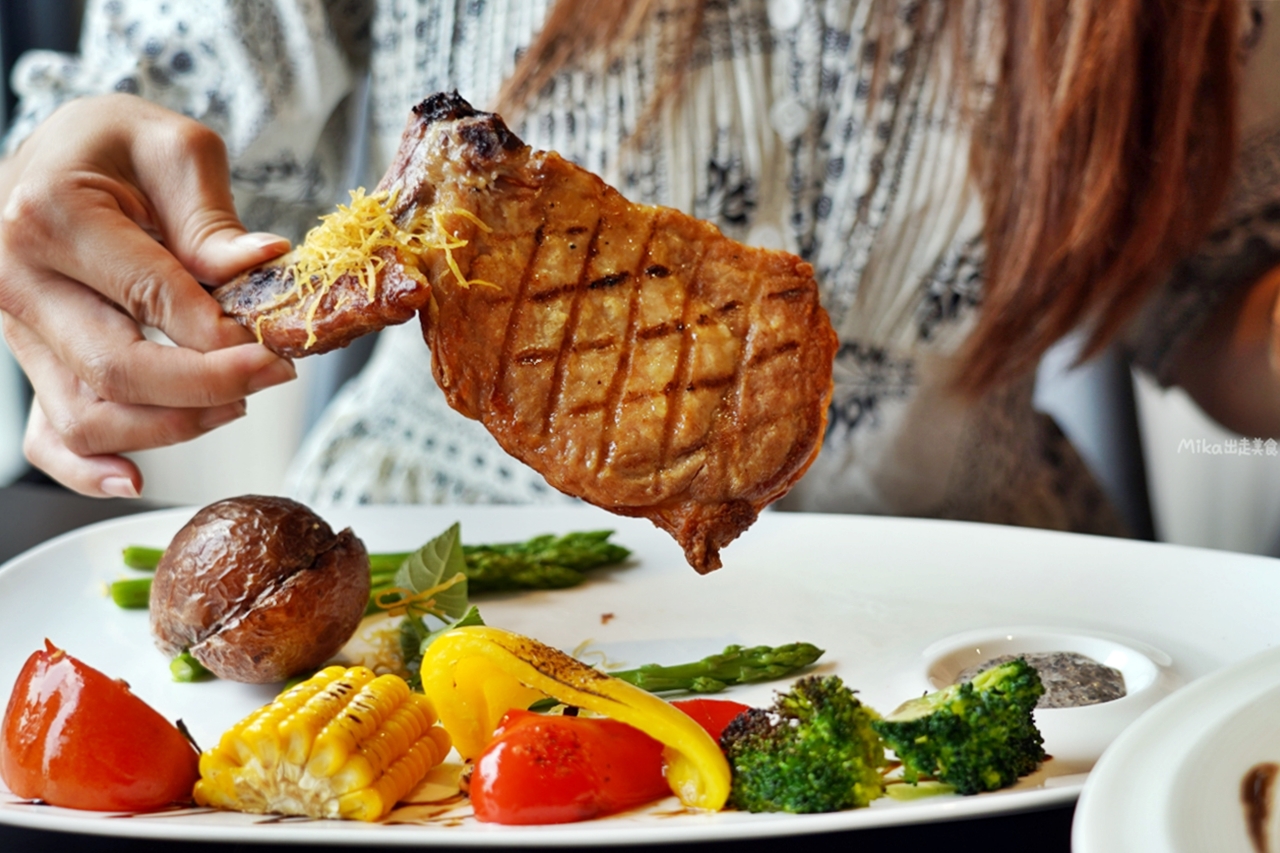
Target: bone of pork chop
<point x="634" y="356"/>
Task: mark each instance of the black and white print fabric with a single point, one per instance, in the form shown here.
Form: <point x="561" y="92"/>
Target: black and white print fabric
<point x="790" y="132"/>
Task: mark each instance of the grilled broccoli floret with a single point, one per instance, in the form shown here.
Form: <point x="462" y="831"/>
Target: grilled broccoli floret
<point x="813" y="751"/>
<point x="978" y="736"/>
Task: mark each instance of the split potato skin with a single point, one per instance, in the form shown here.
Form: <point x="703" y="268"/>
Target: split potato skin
<point x="259" y="589"/>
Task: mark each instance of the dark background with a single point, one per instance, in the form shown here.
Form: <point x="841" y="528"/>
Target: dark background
<point x="27" y="24"/>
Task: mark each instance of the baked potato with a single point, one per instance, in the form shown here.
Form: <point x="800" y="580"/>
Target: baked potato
<point x="259" y="589"/>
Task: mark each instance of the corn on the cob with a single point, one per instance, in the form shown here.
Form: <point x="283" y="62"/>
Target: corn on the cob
<point x="343" y="744"/>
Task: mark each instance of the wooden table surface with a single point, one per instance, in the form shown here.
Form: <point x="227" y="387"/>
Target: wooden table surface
<point x="30" y="514"/>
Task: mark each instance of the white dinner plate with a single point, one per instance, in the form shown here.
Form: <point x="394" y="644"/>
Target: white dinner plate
<point x="1173" y="781"/>
<point x="900" y="606"/>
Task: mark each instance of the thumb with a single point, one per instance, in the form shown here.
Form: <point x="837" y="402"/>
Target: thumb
<point x="194" y="209"/>
<point x="215" y="256"/>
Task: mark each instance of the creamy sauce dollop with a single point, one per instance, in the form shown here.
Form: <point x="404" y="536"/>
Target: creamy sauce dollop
<point x="1071" y="680"/>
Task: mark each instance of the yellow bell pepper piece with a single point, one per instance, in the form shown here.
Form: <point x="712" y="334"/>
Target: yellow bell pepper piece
<point x="484" y="692"/>
<point x="474" y="675"/>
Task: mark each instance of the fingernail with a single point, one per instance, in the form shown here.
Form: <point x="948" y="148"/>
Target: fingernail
<point x="219" y="415"/>
<point x="272" y="374"/>
<point x="118" y="487"/>
<point x="260" y="240"/>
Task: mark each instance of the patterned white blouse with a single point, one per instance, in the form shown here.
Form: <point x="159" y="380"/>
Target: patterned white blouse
<point x="779" y="137"/>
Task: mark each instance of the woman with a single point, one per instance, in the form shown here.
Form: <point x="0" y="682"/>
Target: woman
<point x="971" y="182"/>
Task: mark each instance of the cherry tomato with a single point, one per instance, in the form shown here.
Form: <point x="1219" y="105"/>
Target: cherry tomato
<point x="74" y="737"/>
<point x="712" y="714"/>
<point x="544" y="769"/>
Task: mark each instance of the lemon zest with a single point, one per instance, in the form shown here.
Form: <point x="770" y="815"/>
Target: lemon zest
<point x="466" y="214"/>
<point x="457" y="243"/>
<point x="415" y="603"/>
<point x="345" y="243"/>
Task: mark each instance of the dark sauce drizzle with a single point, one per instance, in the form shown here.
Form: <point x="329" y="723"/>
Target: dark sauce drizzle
<point x="1256" y="793"/>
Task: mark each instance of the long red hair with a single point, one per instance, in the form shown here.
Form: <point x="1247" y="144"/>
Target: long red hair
<point x="1103" y="158"/>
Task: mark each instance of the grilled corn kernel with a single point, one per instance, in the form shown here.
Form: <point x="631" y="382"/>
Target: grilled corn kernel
<point x="343" y="744"/>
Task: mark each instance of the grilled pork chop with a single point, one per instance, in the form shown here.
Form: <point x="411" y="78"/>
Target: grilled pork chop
<point x="634" y="356"/>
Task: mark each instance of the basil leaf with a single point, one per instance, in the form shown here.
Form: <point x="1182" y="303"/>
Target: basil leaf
<point x="543" y="705"/>
<point x="412" y="633"/>
<point x="434" y="563"/>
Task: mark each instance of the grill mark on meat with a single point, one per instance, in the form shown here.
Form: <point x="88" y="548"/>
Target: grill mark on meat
<point x="639" y="396"/>
<point x="732" y="305"/>
<point x="792" y="294"/>
<point x="596" y="345"/>
<point x="585" y="408"/>
<point x="657" y="271"/>
<point x="613" y="398"/>
<point x="763" y="356"/>
<point x="659" y="331"/>
<point x="505" y="356"/>
<point x="554" y="293"/>
<point x="530" y="357"/>
<point x="613" y="280"/>
<point x="577" y="229"/>
<point x="682" y="368"/>
<point x="565" y="289"/>
<point x="711" y="383"/>
<point x="570" y="329"/>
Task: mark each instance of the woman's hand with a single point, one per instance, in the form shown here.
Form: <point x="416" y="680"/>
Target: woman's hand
<point x="111" y="214"/>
